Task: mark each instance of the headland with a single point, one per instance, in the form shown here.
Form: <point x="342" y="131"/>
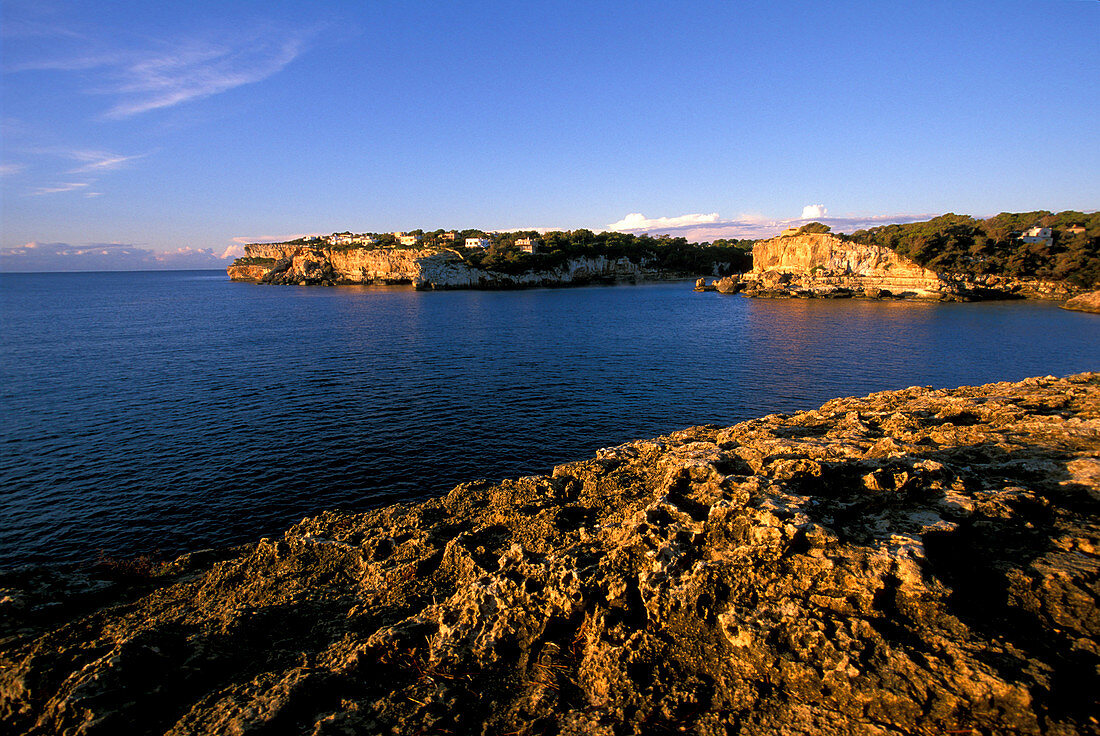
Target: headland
<point x="476" y="260"/>
<point x="948" y="258"/>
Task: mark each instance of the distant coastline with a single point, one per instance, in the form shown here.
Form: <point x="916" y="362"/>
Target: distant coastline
<point x="1036" y="254"/>
<point x="479" y="260"/>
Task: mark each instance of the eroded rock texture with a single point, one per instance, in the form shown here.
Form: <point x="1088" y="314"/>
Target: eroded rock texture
<point x="824" y="265"/>
<point x="426" y="269"/>
<point x="916" y="561"/>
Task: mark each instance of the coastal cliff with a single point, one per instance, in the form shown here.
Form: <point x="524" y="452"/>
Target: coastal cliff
<point x="813" y="264"/>
<point x="914" y="561"/>
<point x="427" y="268"/>
<point x="822" y="264"/>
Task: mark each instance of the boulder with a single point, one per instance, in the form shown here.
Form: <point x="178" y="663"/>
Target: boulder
<point x="729" y="285"/>
<point x="1089" y="302"/>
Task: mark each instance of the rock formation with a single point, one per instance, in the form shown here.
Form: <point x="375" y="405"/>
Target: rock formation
<point x="1089" y="302"/>
<point x="428" y="268"/>
<point x="828" y="266"/>
<point x="822" y="264"/>
<point x="915" y="561"/>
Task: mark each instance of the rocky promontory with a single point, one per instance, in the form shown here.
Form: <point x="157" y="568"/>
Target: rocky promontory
<point x="913" y="561"/>
<point x="1089" y="302"/>
<point x="824" y="265"/>
<point x="424" y="268"/>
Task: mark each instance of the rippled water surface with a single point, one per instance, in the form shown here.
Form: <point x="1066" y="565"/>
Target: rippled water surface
<point x="177" y="410"/>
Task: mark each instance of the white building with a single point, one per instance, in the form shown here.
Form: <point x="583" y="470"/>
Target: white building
<point x="1041" y="235"/>
<point x="528" y="245"/>
<point x="408" y="239"/>
<point x="477" y="242"/>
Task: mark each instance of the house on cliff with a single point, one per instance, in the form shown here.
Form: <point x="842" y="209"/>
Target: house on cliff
<point x="477" y="242"/>
<point x="528" y="245"/>
<point x="1041" y="235"/>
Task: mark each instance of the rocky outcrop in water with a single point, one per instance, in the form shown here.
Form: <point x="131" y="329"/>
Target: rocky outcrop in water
<point x="1089" y="302"/>
<point x="915" y="561"/>
<point x="428" y="268"/>
<point x="822" y="264"/>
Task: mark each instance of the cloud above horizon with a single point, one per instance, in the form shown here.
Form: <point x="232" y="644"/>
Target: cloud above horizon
<point x="172" y="71"/>
<point x="638" y="221"/>
<point x="97" y="161"/>
<point x="711" y="227"/>
<point x="34" y="257"/>
<point x="71" y="186"/>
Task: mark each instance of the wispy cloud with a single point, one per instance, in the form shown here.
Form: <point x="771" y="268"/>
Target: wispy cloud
<point x="711" y="227"/>
<point x="195" y="71"/>
<point x="58" y="188"/>
<point x="91" y="162"/>
<point x="98" y="161"/>
<point x="171" y="71"/>
<point x="35" y="256"/>
<point x="11" y="169"/>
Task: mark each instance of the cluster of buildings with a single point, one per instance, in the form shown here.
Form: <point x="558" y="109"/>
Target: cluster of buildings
<point x="527" y="245"/>
<point x="1045" y="235"/>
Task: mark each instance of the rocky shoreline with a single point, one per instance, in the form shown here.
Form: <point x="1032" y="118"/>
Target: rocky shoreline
<point x="915" y="561"/>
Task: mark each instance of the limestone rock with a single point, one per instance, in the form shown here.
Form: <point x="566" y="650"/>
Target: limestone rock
<point x="825" y="265"/>
<point x="1089" y="302"/>
<point x="914" y="561"/>
<point x="822" y="264"/>
<point x="729" y="285"/>
<point x="428" y="268"/>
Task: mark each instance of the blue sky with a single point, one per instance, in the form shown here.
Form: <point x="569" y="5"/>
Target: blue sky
<point x="164" y="134"/>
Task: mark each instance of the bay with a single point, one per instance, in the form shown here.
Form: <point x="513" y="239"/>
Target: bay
<point x="159" y="412"/>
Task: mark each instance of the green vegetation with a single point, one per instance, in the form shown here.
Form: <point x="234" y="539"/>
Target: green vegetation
<point x="254" y="261"/>
<point x="814" y="227"/>
<point x="959" y="244"/>
<point x="554" y="249"/>
<point x="666" y="253"/>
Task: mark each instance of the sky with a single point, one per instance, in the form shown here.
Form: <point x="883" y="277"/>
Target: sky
<point x="167" y="134"/>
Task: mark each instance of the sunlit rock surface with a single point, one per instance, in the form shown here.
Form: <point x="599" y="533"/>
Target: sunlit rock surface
<point x="916" y="561"/>
<point x="824" y="265"/>
<point x="427" y="268"/>
<point x="821" y="264"/>
<point x="1089" y="302"/>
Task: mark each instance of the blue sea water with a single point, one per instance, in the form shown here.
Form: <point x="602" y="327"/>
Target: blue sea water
<point x="177" y="410"/>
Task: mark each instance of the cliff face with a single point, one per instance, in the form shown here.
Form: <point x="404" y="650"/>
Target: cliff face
<point x="916" y="561"/>
<point x="424" y="269"/>
<point x="823" y="263"/>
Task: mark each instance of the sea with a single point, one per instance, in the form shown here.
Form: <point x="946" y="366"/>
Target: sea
<point x="153" y="413"/>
